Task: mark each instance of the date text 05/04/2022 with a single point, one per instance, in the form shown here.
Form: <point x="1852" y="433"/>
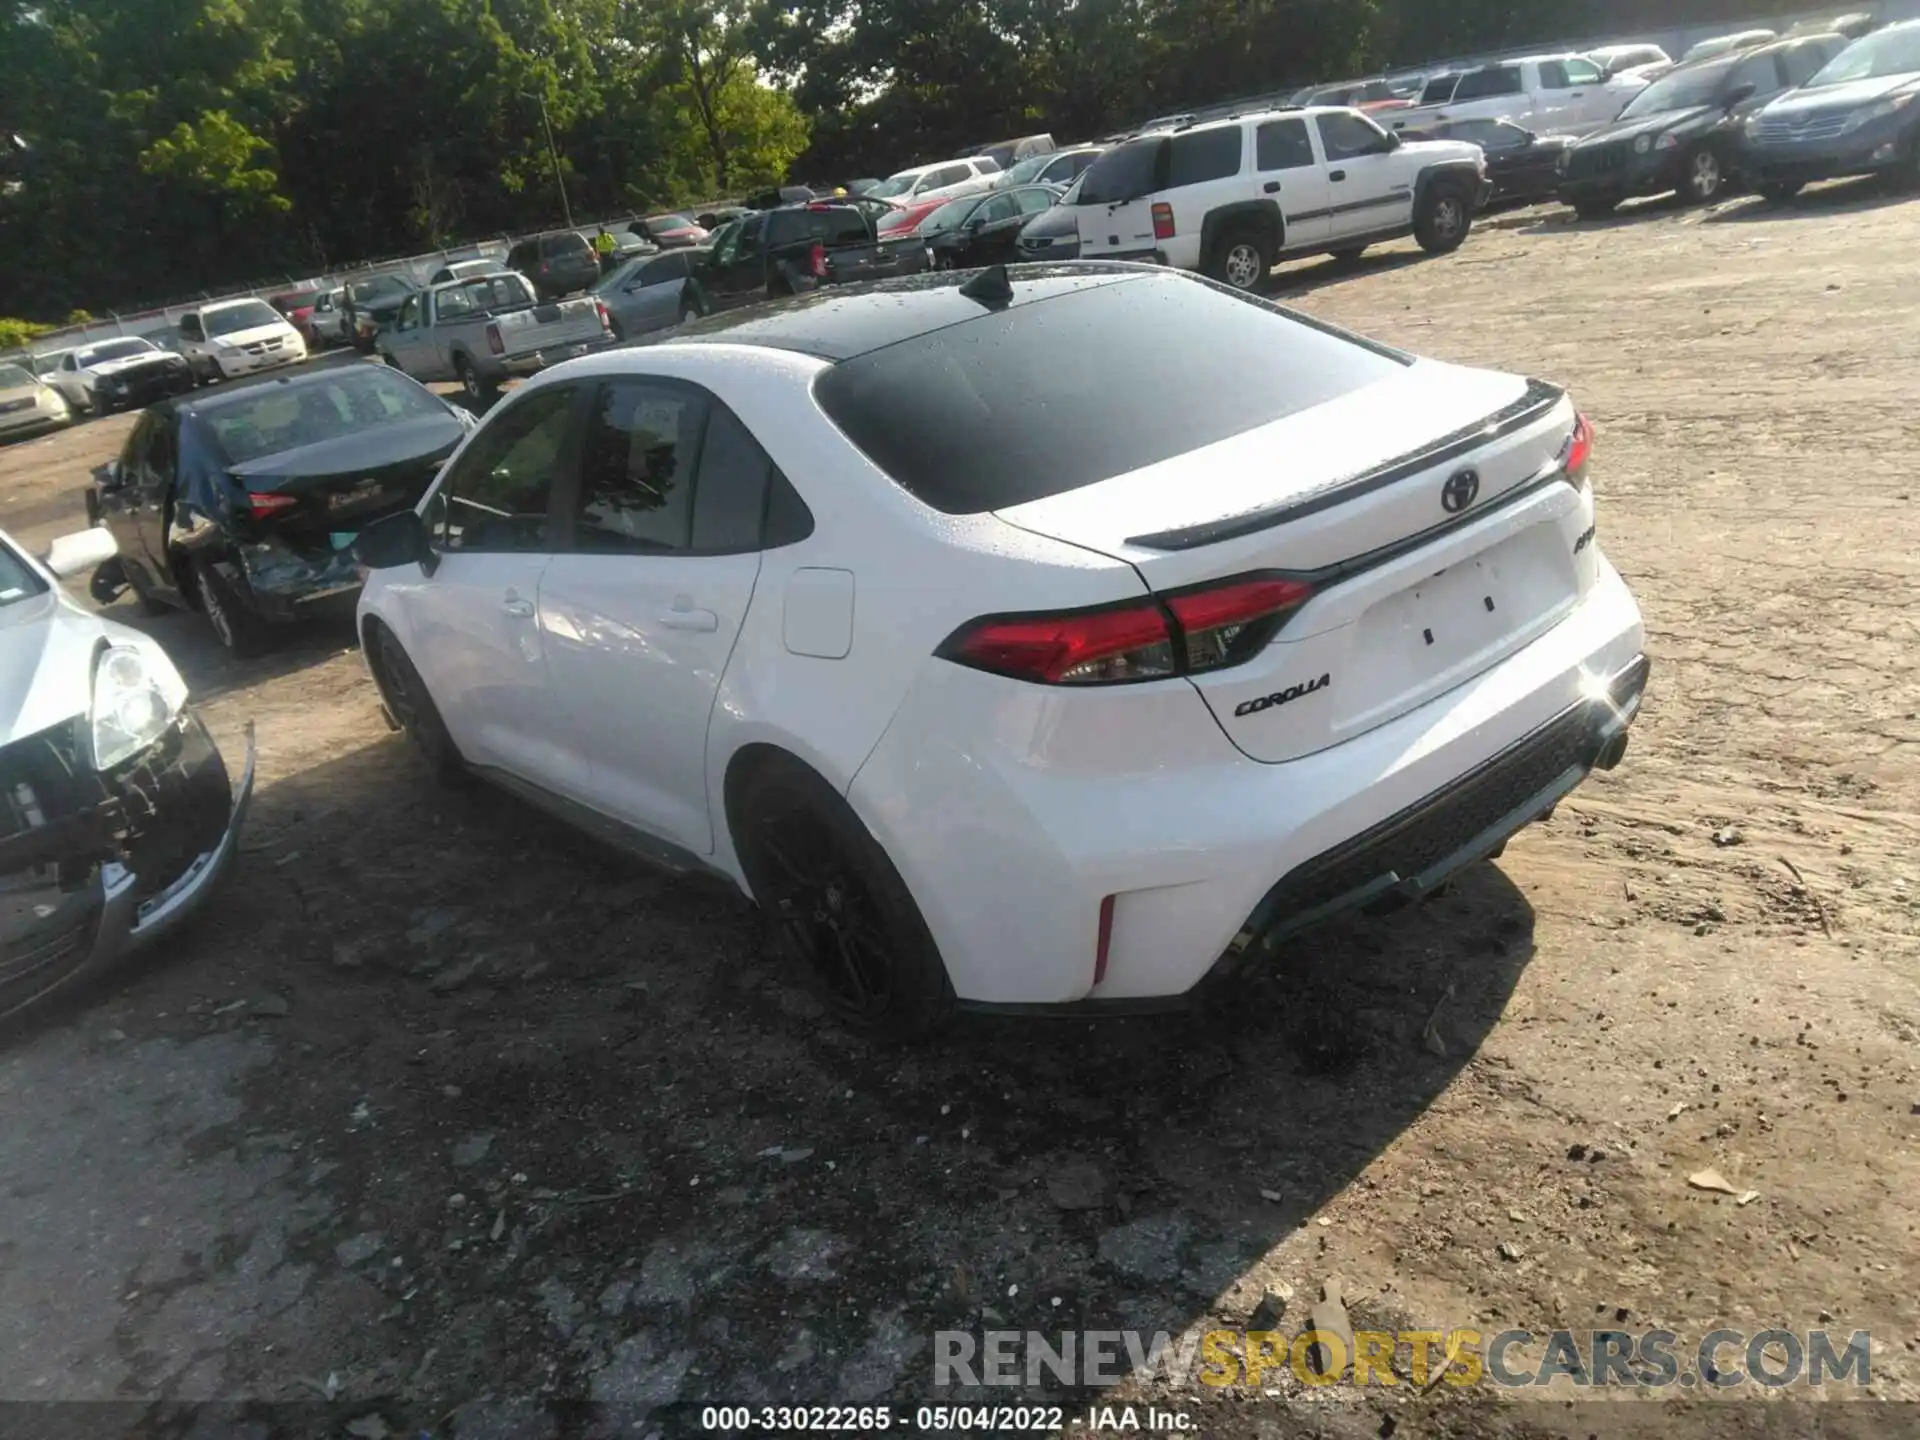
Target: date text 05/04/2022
<point x="938" y="1419"/>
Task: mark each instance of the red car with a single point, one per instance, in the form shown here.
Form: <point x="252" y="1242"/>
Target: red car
<point x="906" y="218"/>
<point x="669" y="232"/>
<point x="297" y="306"/>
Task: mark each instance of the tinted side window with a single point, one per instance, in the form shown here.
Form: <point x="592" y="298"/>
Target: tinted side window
<point x="1760" y="71"/>
<point x="730" y="496"/>
<point x="497" y="497"/>
<point x="1803" y="60"/>
<point x="1283" y="145"/>
<point x="1032" y="202"/>
<point x="659" y="272"/>
<point x="636" y="468"/>
<point x="747" y="241"/>
<point x="1001" y="207"/>
<point x="951" y="175"/>
<point x="1480" y="84"/>
<point x="1346" y="136"/>
<point x="1204" y="155"/>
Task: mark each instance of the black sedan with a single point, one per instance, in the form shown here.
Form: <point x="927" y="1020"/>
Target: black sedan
<point x="243" y="503"/>
<point x="1859" y="116"/>
<point x="984" y="229"/>
<point x="1682" y="132"/>
<point x="1524" y="167"/>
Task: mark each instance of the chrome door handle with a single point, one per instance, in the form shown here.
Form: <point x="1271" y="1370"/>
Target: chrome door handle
<point x="518" y="608"/>
<point x="690" y="620"/>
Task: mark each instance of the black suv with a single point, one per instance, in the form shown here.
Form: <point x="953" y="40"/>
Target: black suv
<point x="558" y="263"/>
<point x="1682" y="132"/>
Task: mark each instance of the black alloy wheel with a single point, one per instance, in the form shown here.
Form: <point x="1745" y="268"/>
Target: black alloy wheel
<point x="829" y="914"/>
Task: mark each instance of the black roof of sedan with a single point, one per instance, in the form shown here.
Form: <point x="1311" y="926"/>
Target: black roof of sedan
<point x="845" y="321"/>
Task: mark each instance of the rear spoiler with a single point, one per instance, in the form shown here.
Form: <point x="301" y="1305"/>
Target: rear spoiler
<point x="1534" y="405"/>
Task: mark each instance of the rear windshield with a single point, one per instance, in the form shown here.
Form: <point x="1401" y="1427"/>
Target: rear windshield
<point x="113" y="350"/>
<point x="1056" y="394"/>
<point x="275" y="418"/>
<point x="1124" y="173"/>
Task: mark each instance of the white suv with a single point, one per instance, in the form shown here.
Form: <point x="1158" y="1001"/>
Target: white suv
<point x="1283" y="623"/>
<point x="1231" y="197"/>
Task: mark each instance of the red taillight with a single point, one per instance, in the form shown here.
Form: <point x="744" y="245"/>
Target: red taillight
<point x="1088" y="647"/>
<point x="1217" y="622"/>
<point x="817" y="260"/>
<point x="1162" y="220"/>
<point x="1579" y="450"/>
<point x="606" y="320"/>
<point x="1217" y="626"/>
<point x="266" y="505"/>
<point x="494" y="342"/>
<point x="1105" y="942"/>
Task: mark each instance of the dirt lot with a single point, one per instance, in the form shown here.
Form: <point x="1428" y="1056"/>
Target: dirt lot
<point x="445" y="1106"/>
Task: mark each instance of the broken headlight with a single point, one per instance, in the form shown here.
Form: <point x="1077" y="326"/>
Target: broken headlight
<point x="136" y="694"/>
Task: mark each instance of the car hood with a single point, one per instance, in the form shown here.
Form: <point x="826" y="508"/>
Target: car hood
<point x="276" y="331"/>
<point x="17" y="392"/>
<point x="130" y="362"/>
<point x="1432" y="150"/>
<point x="1841" y="97"/>
<point x="47" y="645"/>
<point x="1648" y="124"/>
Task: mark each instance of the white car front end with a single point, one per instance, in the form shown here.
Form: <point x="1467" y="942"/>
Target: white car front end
<point x="257" y="348"/>
<point x="117" y="816"/>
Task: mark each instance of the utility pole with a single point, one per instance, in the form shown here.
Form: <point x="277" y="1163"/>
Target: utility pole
<point x="553" y="156"/>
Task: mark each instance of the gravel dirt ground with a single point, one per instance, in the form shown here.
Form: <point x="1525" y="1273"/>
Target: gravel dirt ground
<point x="446" y="1117"/>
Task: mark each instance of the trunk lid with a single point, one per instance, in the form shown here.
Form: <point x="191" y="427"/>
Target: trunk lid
<point x="324" y="494"/>
<point x="1421" y="579"/>
<point x="549" y="326"/>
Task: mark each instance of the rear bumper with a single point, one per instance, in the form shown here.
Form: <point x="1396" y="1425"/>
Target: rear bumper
<point x="287" y="585"/>
<point x="1216" y="856"/>
<point x="137" y="865"/>
<point x="521" y="366"/>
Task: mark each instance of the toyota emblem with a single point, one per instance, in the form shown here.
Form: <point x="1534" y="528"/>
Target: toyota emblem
<point x="1460" y="491"/>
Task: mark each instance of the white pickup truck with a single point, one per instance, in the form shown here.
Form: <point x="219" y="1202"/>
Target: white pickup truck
<point x="1547" y="94"/>
<point x="487" y="328"/>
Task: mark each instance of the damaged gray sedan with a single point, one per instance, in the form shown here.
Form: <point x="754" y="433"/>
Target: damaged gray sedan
<point x="118" y="816"/>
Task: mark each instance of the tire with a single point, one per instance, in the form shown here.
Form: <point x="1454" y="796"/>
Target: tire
<point x="1347" y="254"/>
<point x="1703" y="176"/>
<point x="1782" y="192"/>
<point x="1443" y="219"/>
<point x="413" y="710"/>
<point x="148" y="604"/>
<point x="1242" y="259"/>
<point x="480" y="393"/>
<point x="1595" y="209"/>
<point x="236" y="624"/>
<point x="842" y="908"/>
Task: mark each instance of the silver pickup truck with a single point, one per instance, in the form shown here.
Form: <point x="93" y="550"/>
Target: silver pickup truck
<point x="487" y="328"/>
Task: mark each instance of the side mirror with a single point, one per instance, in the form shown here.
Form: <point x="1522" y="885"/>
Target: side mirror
<point x="1389" y="143"/>
<point x="393" y="541"/>
<point x="72" y="555"/>
<point x="1740" y="94"/>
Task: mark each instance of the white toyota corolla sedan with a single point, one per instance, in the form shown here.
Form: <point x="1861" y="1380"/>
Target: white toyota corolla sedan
<point x="1062" y="640"/>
